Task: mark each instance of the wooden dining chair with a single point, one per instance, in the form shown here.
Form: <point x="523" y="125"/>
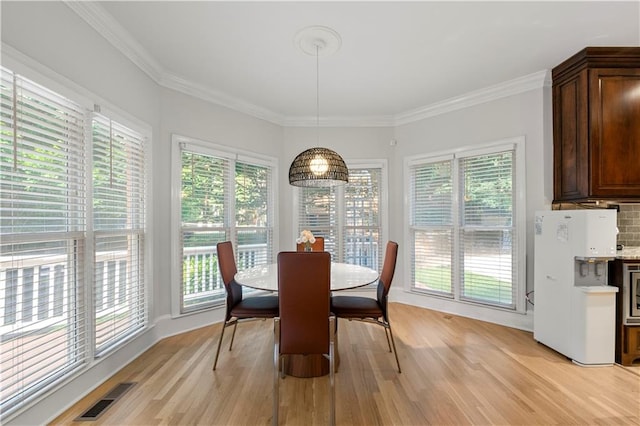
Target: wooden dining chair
<point x="317" y="246"/>
<point x="239" y="307"/>
<point x="368" y="309"/>
<point x="305" y="325"/>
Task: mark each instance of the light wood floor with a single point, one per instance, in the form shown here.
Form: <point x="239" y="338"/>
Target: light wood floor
<point x="455" y="371"/>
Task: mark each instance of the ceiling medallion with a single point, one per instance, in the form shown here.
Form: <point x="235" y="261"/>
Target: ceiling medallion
<point x="328" y="40"/>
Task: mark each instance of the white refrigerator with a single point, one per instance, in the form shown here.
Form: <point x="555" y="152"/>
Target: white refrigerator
<point x="574" y="307"/>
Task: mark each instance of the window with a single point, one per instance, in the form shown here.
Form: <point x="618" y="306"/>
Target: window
<point x="432" y="230"/>
<point x="48" y="241"/>
<point x="224" y="196"/>
<point x="119" y="232"/>
<point x="349" y="217"/>
<point x="463" y="226"/>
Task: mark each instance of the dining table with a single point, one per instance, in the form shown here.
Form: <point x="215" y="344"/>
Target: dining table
<point x="344" y="276"/>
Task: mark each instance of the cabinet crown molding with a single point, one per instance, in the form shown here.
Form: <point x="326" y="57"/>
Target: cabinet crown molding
<point x="597" y="57"/>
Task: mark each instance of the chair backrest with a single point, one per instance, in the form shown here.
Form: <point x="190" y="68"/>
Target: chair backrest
<point x="386" y="276"/>
<point x="304" y="293"/>
<point x="228" y="269"/>
<point x="317" y="246"/>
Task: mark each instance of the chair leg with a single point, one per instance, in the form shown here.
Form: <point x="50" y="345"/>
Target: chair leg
<point x="276" y="373"/>
<point x="395" y="352"/>
<point x="386" y="334"/>
<point x="215" y="362"/>
<point x="233" y="335"/>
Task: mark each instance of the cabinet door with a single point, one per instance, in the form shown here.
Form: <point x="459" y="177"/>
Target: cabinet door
<point x="615" y="132"/>
<point x="570" y="138"/>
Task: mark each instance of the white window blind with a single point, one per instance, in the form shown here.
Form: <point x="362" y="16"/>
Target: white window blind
<point x="463" y="227"/>
<point x="431" y="226"/>
<point x="205" y="206"/>
<point x="362" y="218"/>
<point x="119" y="177"/>
<point x="222" y="199"/>
<point x="349" y="217"/>
<point x="317" y="213"/>
<point x="254" y="214"/>
<point x="487" y="245"/>
<point x="43" y="224"/>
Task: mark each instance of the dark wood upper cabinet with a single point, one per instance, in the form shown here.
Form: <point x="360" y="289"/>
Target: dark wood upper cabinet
<point x="596" y="125"/>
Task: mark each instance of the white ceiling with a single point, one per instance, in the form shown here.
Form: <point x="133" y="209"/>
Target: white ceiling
<point x="396" y="57"/>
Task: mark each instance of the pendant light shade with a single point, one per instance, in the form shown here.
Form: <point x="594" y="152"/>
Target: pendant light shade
<point x="319" y="167"/>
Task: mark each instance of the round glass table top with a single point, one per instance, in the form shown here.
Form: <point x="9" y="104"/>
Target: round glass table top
<point x="343" y="276"/>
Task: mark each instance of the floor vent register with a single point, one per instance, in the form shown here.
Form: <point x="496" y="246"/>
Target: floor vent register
<point x="97" y="409"/>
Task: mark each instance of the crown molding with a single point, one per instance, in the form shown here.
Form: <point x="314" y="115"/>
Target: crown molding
<point x="100" y="20"/>
<point x="219" y="98"/>
<point x="516" y="86"/>
<point x="336" y="121"/>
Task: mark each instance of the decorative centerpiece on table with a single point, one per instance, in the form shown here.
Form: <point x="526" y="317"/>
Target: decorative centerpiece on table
<point x="306" y="238"/>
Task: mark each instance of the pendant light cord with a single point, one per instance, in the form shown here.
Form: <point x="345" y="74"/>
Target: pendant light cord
<point x="317" y="95"/>
<point x="318" y="167"/>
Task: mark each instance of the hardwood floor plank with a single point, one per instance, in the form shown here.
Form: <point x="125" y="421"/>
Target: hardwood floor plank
<point x="456" y="371"/>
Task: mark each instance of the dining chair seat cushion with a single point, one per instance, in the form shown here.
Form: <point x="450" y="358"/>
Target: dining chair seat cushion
<point x="256" y="307"/>
<point x="355" y="307"/>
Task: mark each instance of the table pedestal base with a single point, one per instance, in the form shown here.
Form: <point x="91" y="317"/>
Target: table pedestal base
<point x="309" y="365"/>
<point x="306" y="365"/>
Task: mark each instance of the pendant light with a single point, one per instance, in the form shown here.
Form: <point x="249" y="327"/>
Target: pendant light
<point x="318" y="167"/>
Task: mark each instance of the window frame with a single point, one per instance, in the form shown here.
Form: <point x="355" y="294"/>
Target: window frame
<point x="231" y="154"/>
<point x="517" y="144"/>
<point x="82" y="238"/>
<point x="139" y="233"/>
<point x="340" y="210"/>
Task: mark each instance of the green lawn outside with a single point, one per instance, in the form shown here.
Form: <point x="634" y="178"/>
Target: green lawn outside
<point x="476" y="286"/>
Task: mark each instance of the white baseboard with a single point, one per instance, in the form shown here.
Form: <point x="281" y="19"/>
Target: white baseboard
<point x="496" y="316"/>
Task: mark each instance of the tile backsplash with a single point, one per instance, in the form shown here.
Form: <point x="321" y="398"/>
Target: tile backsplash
<point x="629" y="225"/>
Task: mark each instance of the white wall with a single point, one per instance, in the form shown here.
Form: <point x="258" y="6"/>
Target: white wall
<point x="68" y="54"/>
<point x="67" y="45"/>
<point x="186" y="116"/>
<point x="518" y="115"/>
<point x="68" y="50"/>
<point x="65" y="53"/>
